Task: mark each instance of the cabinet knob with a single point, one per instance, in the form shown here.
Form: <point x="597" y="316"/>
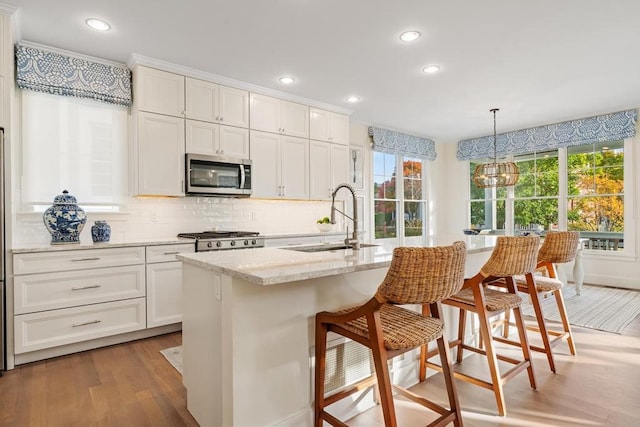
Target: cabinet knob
<point x="221" y="118"/>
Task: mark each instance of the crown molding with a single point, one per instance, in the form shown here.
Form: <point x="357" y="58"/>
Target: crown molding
<point x="7" y="9"/>
<point x="136" y="59"/>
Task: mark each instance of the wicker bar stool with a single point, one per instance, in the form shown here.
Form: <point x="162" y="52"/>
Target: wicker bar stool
<point x="415" y="276"/>
<point x="558" y="247"/>
<point x="511" y="256"/>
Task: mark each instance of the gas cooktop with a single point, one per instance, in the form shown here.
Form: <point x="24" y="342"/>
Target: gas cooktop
<point x="220" y="240"/>
<point x="218" y="234"/>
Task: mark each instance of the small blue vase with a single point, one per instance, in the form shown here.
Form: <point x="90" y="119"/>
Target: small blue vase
<point x="64" y="220"/>
<point x="100" y="232"/>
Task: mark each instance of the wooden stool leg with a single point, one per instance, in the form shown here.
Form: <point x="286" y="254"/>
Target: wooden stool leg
<point x="492" y="360"/>
<point x="524" y="344"/>
<point x="422" y="373"/>
<point x="544" y="333"/>
<point x="505" y="325"/>
<point x="382" y="370"/>
<point x="462" y="321"/>
<point x="321" y="349"/>
<point x="447" y="371"/>
<point x="565" y="320"/>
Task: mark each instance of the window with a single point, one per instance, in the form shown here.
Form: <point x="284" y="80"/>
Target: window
<point x="73" y="144"/>
<point x="487" y="204"/>
<point x="593" y="185"/>
<point x="390" y="204"/>
<point x="535" y="205"/>
<point x="595" y="204"/>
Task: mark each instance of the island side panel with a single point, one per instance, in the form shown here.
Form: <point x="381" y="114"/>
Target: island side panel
<point x="202" y="346"/>
<point x="273" y="332"/>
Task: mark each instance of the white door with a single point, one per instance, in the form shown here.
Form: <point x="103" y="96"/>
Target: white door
<point x="339" y="130"/>
<point x="160" y="155"/>
<point x="159" y="91"/>
<point x="265" y="173"/>
<point x="339" y="165"/>
<point x="319" y="170"/>
<point x="234" y="107"/>
<point x="202" y="137"/>
<point x="295" y="167"/>
<point x="201" y="100"/>
<point x="234" y="142"/>
<point x="265" y="113"/>
<point x="294" y="119"/>
<point x="164" y="293"/>
<point x="319" y="124"/>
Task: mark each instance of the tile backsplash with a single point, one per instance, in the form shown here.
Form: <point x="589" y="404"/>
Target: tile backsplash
<point x="145" y="219"/>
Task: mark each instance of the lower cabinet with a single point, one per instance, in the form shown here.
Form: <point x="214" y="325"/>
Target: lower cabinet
<point x="164" y="284"/>
<point x="40" y="330"/>
<point x="66" y="297"/>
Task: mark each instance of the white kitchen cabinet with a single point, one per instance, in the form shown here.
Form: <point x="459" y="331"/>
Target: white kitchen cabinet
<point x="216" y="140"/>
<point x="158" y="91"/>
<point x="210" y="102"/>
<point x="278" y="116"/>
<point x="328" y="126"/>
<point x="66" y="297"/>
<point x="164" y="284"/>
<point x="327" y="168"/>
<point x="158" y="152"/>
<point x="280" y="166"/>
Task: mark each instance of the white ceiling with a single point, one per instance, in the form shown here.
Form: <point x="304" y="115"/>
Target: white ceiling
<point x="539" y="61"/>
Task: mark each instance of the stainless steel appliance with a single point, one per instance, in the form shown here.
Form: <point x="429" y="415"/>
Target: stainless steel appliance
<point x="217" y="176"/>
<point x="3" y="306"/>
<point x="222" y="240"/>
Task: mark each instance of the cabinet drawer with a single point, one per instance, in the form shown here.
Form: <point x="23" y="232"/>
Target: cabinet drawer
<point x="38" y="292"/>
<point x="37" y="331"/>
<point x="165" y="253"/>
<point x="44" y="262"/>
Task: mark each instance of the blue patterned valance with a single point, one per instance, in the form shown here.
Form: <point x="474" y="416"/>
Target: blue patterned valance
<point x="58" y="74"/>
<point x="388" y="141"/>
<point x="608" y="127"/>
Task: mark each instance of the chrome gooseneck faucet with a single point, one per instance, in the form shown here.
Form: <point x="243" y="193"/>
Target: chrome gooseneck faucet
<point x="353" y="241"/>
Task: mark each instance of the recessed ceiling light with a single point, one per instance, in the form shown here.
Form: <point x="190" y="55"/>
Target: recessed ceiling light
<point x="98" y="24"/>
<point x="353" y="99"/>
<point x="430" y="69"/>
<point x="286" y="80"/>
<point x="409" y="36"/>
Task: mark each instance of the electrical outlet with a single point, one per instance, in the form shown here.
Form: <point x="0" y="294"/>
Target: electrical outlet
<point x="153" y="217"/>
<point x="253" y="216"/>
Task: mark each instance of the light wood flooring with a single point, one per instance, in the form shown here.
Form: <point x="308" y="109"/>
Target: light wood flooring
<point x="133" y="385"/>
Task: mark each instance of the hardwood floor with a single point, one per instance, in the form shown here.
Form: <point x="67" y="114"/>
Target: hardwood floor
<point x="598" y="387"/>
<point x="133" y="385"/>
<point x="129" y="384"/>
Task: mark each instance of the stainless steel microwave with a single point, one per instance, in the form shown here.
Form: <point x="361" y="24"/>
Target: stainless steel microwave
<point x="217" y="176"/>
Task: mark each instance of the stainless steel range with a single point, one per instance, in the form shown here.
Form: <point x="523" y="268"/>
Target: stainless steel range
<point x="220" y="240"/>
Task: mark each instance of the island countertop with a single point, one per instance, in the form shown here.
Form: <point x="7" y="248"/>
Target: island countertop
<point x="270" y="266"/>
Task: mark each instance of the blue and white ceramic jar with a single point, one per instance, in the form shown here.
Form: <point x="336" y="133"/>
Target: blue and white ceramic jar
<point x="65" y="219"/>
<point x="100" y="232"/>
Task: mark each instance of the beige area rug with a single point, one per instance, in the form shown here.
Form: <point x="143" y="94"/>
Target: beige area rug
<point x="174" y="356"/>
<point x="602" y="308"/>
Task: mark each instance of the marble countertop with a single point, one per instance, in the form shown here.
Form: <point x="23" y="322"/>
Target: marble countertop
<point x="91" y="245"/>
<point x="270" y="266"/>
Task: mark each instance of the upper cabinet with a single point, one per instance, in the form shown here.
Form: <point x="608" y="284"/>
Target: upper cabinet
<point x="214" y="103"/>
<point x="275" y="115"/>
<point x="158" y="91"/>
<point x="328" y="126"/>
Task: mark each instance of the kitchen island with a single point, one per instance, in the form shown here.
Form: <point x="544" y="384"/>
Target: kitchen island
<point x="248" y="328"/>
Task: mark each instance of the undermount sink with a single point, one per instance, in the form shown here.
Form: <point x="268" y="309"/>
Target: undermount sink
<point x="326" y="247"/>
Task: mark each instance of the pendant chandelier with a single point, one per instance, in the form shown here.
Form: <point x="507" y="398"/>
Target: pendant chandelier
<point x="495" y="174"/>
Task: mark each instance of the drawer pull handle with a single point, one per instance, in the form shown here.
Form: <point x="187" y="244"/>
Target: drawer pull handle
<point x="172" y="253"/>
<point x="86" y="259"/>
<point x="86" y="287"/>
<point x="92" y="322"/>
